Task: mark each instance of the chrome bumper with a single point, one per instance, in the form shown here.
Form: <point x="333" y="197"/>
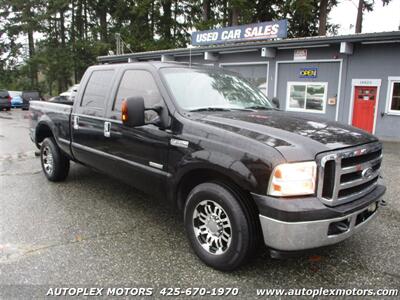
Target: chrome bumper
<point x="293" y="236"/>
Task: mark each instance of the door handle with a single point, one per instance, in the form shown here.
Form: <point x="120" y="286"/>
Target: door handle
<point x="107" y="129"/>
<point x="76" y="122"/>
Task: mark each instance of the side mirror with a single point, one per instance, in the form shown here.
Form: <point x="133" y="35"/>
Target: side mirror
<point x="275" y="101"/>
<point x="133" y="111"/>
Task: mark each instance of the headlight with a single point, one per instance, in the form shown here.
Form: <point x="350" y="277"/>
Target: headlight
<point x="293" y="179"/>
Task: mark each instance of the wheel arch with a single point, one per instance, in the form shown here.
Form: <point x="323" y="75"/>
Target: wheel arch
<point x="197" y="175"/>
<point x="43" y="130"/>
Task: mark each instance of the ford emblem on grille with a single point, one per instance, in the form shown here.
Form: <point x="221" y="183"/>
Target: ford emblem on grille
<point x="367" y="173"/>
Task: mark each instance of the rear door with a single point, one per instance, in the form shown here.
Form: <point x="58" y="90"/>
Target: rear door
<point x="88" y="118"/>
<point x="141" y="152"/>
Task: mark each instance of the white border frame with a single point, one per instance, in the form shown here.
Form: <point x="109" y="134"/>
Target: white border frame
<point x="364" y="82"/>
<point x="306" y="83"/>
<point x="250" y="63"/>
<point x="391" y="81"/>
<point x="339" y="60"/>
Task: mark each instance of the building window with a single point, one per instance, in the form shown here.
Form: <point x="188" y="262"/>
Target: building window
<point x="256" y="73"/>
<point x="394" y="96"/>
<point x="307" y="96"/>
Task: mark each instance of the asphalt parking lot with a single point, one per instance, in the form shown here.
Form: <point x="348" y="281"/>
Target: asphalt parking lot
<point x="93" y="230"/>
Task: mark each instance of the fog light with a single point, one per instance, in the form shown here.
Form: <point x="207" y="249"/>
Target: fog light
<point x="372" y="208"/>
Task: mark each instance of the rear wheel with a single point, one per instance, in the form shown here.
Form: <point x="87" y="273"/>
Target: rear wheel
<point x="55" y="164"/>
<point x="219" y="227"/>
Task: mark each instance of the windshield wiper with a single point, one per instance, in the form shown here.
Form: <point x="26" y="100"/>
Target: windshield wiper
<point x="219" y="109"/>
<point x="210" y="109"/>
<point x="259" y="107"/>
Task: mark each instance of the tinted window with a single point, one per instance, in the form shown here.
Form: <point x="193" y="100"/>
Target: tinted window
<point x="97" y="89"/>
<point x="137" y="83"/>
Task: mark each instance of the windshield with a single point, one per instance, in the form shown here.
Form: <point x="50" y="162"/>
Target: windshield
<point x="196" y="89"/>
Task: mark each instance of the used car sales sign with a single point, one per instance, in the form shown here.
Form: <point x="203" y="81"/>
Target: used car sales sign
<point x="251" y="32"/>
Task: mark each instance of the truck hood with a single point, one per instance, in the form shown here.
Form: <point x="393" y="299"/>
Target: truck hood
<point x="295" y="137"/>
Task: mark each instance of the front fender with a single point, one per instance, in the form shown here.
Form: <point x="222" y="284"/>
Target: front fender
<point x="220" y="163"/>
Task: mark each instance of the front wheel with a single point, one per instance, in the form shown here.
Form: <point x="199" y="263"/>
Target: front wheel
<point x="55" y="164"/>
<point x="219" y="227"/>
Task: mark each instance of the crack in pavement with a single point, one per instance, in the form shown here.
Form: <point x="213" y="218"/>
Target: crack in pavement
<point x="18" y="156"/>
<point x="21" y="173"/>
<point x="11" y="253"/>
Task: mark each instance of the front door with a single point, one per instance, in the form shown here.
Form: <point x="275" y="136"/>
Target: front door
<point x="364" y="107"/>
<point x="140" y="153"/>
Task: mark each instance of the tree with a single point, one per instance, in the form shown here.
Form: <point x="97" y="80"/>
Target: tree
<point x="365" y="5"/>
<point x="64" y="37"/>
<point x="21" y="17"/>
<point x="323" y="15"/>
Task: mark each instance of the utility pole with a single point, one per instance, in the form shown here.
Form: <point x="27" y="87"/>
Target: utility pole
<point x="119" y="44"/>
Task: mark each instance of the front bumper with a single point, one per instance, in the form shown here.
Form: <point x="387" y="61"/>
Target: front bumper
<point x="286" y="230"/>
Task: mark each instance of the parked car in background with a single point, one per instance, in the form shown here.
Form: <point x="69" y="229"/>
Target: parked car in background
<point x="5" y="100"/>
<point x="28" y="96"/>
<point x="16" y="99"/>
<point x="71" y="92"/>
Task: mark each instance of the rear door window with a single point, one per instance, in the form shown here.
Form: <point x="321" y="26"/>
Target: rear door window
<point x="97" y="90"/>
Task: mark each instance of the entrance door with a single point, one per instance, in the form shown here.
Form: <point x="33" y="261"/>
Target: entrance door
<point x="364" y="107"/>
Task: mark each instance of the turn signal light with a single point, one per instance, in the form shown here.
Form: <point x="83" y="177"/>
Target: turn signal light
<point x="124" y="110"/>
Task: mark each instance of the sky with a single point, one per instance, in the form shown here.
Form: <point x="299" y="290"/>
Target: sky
<point x="382" y="18"/>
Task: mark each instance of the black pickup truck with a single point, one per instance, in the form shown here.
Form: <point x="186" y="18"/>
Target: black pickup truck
<point x="238" y="169"/>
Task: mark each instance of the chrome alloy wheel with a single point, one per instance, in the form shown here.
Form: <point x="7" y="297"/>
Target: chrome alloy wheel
<point x="212" y="227"/>
<point x="47" y="159"/>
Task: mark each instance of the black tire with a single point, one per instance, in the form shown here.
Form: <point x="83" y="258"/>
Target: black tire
<point x="243" y="242"/>
<point x="60" y="163"/>
<point x="8" y="108"/>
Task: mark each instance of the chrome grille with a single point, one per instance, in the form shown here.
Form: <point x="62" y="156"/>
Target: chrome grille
<point x="348" y="174"/>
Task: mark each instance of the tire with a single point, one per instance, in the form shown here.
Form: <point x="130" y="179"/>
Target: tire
<point x="55" y="164"/>
<point x="230" y="238"/>
<point x="8" y="108"/>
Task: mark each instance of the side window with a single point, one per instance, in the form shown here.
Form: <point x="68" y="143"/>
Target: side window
<point x="137" y="83"/>
<point x="394" y="97"/>
<point x="97" y="89"/>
